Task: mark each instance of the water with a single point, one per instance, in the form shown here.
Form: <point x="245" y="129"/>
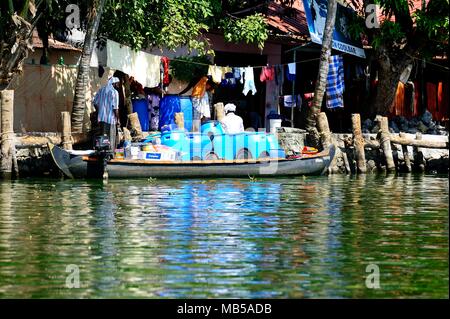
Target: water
<point x="271" y="238"/>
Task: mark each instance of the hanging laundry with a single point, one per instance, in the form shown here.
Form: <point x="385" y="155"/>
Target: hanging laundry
<point x="229" y="80"/>
<point x="308" y="98"/>
<point x="291" y="71"/>
<point x="279" y="78"/>
<point x="237" y="73"/>
<point x="200" y="88"/>
<point x="432" y="99"/>
<point x="249" y="84"/>
<point x="216" y="73"/>
<point x="291" y="101"/>
<point x="335" y="82"/>
<point x="165" y="62"/>
<point x="267" y="74"/>
<point x="399" y="100"/>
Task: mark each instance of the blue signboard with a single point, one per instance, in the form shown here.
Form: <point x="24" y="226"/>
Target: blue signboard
<point x="316" y="14"/>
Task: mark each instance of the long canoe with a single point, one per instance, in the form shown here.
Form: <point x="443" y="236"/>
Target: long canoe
<point x="91" y="166"/>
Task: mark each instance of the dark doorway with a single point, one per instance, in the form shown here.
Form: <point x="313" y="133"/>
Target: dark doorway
<point x="249" y="103"/>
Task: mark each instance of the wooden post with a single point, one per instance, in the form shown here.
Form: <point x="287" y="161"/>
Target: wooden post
<point x="135" y="125"/>
<point x="324" y="129"/>
<point x="220" y="113"/>
<point x="7" y="149"/>
<point x="358" y="142"/>
<point x="66" y="131"/>
<point x="385" y="143"/>
<point x="179" y="120"/>
<point x="419" y="162"/>
<point x="406" y="155"/>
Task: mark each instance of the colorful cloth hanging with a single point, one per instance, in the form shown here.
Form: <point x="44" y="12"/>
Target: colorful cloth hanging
<point x="291" y="71"/>
<point x="267" y="74"/>
<point x="249" y="78"/>
<point x="335" y="82"/>
<point x="165" y="61"/>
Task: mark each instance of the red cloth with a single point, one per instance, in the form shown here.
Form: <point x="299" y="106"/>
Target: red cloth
<point x="432" y="100"/>
<point x="442" y="101"/>
<point x="267" y="73"/>
<point x="165" y="62"/>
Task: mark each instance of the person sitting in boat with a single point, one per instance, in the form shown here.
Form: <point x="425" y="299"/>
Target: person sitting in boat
<point x="232" y="123"/>
<point x="106" y="103"/>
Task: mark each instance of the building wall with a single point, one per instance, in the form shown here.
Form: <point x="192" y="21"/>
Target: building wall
<point x="42" y="92"/>
<point x="70" y="57"/>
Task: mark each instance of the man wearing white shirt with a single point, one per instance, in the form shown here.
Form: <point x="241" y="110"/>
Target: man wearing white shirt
<point x="233" y="123"/>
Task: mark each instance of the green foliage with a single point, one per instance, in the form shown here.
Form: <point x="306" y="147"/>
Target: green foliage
<point x="390" y="32"/>
<point x="175" y="23"/>
<point x="251" y="29"/>
<point x="185" y="71"/>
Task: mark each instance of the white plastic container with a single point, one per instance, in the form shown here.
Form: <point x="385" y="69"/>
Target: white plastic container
<point x="273" y="125"/>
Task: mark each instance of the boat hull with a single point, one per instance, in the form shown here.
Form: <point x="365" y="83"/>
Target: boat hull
<point x="89" y="167"/>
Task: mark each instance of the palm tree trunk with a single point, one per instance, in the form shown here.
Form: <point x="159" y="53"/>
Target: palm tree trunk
<point x="79" y="101"/>
<point x="319" y="91"/>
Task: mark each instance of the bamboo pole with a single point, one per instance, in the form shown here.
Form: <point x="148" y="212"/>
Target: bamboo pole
<point x="66" y="131"/>
<point x="7" y="148"/>
<point x="358" y="142"/>
<point x="385" y="143"/>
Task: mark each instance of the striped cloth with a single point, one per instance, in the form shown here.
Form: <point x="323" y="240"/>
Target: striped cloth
<point x="335" y="82"/>
<point x="107" y="100"/>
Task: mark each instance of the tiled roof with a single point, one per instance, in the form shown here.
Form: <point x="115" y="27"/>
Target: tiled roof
<point x="52" y="43"/>
<point x="288" y="20"/>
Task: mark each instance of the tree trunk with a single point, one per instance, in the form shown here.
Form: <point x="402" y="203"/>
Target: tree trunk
<point x="79" y="100"/>
<point x="319" y="91"/>
<point x="390" y="67"/>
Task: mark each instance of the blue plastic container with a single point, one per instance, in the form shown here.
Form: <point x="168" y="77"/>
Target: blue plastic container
<point x="168" y="106"/>
<point x="141" y="108"/>
<point x="186" y="108"/>
<point x="192" y="146"/>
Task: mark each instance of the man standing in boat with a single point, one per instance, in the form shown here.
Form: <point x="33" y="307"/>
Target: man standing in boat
<point x="106" y="103"/>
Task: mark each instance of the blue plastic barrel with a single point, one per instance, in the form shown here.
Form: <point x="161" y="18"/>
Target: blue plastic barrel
<point x="168" y="106"/>
<point x="186" y="108"/>
<point x="141" y="108"/>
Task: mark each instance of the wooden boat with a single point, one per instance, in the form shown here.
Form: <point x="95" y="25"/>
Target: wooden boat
<point x="78" y="165"/>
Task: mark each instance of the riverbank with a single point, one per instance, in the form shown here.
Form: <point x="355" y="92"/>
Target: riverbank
<point x="34" y="158"/>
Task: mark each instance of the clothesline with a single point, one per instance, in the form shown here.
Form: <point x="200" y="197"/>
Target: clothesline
<point x="435" y="64"/>
<point x="255" y="67"/>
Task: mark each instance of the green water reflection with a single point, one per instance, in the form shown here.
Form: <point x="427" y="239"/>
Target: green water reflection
<point x="273" y="238"/>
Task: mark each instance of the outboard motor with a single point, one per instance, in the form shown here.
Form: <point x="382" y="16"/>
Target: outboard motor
<point x="102" y="145"/>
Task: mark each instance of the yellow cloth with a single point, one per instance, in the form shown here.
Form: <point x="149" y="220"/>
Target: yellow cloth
<point x="216" y="73"/>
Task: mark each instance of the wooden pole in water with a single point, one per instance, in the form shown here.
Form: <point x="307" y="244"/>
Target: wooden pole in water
<point x="406" y="155"/>
<point x="7" y="152"/>
<point x="358" y="142"/>
<point x="385" y="143"/>
<point x="66" y="131"/>
<point x="419" y="162"/>
<point x="324" y="129"/>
